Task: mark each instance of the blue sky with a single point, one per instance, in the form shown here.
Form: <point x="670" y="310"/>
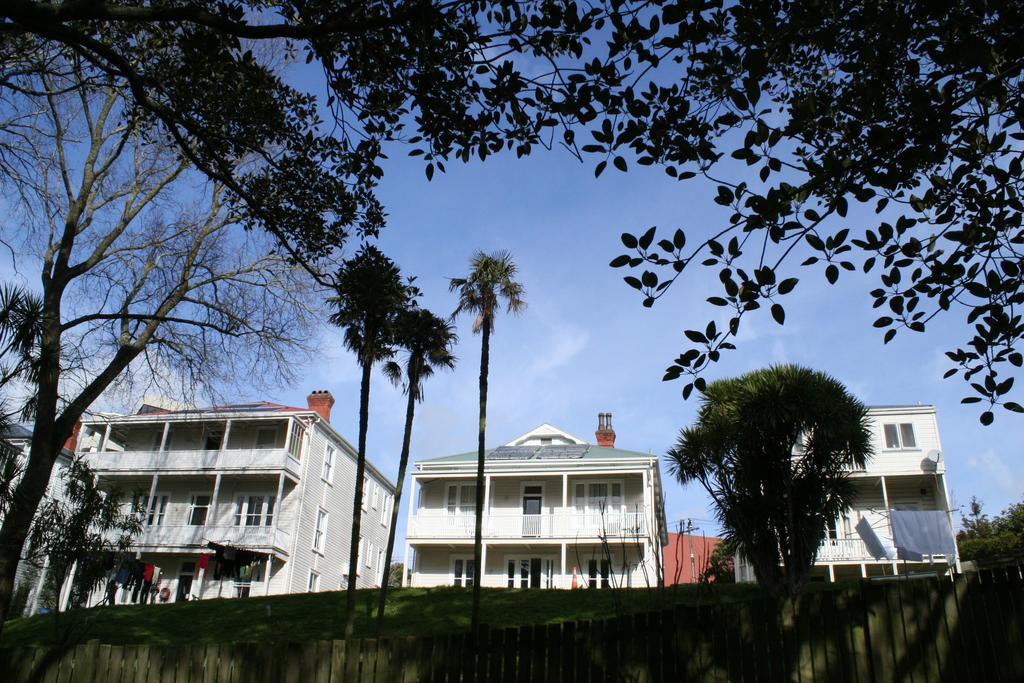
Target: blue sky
<point x="586" y="345"/>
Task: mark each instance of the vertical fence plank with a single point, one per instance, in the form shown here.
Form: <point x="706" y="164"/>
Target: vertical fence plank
<point x="337" y="661"/>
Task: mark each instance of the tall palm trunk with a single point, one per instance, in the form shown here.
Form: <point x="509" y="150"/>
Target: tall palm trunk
<point x="478" y="570"/>
<point x="357" y="501"/>
<point x="403" y="462"/>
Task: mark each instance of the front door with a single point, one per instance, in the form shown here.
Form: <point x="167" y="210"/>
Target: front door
<point x="533" y="498"/>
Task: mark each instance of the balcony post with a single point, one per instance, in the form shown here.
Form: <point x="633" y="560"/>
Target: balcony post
<point x="287" y="434"/>
<point x="888" y="512"/>
<point x="106" y="437"/>
<point x="563" y="562"/>
<point x="163" y="437"/>
<point x="487" y="503"/>
<point x="406" y="571"/>
<point x="150" y="502"/>
<point x="277" y="502"/>
<point x="483" y="563"/>
<point x="266" y="574"/>
<point x="227" y="433"/>
<point x="212" y="517"/>
<point x="413" y="496"/>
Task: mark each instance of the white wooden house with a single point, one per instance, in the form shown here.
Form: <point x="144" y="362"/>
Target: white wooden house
<point x="555" y="506"/>
<point x="269" y="483"/>
<point x="907" y="472"/>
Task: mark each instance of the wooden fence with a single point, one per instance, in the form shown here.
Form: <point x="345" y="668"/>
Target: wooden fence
<point x="920" y="630"/>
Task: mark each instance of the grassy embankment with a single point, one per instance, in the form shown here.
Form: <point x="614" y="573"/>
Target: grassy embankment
<point x="311" y="616"/>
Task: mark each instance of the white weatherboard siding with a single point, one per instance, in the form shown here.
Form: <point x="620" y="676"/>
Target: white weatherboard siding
<point x="264" y="455"/>
<point x="554" y="505"/>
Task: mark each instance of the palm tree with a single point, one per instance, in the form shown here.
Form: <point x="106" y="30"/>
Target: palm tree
<point x="491" y="280"/>
<point x="427" y="340"/>
<point x="773" y="449"/>
<point x="370" y="293"/>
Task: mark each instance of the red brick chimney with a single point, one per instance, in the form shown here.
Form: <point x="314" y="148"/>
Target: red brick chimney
<point x="72" y="442"/>
<point x="320" y="401"/>
<point x="605" y="434"/>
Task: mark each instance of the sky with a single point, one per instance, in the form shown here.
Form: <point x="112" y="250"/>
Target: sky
<point x="586" y="345"/>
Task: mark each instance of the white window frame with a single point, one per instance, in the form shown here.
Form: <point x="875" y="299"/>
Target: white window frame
<point x="366" y="497"/>
<point x="158" y="518"/>
<point x="586" y="493"/>
<point x="327" y="473"/>
<point x="313" y="582"/>
<point x="320" y="530"/>
<point x="900" y="436"/>
<point x="375" y="501"/>
<point x="192" y="507"/>
<point x="466" y="561"/>
<point x="459" y="486"/>
<point x="385" y="515"/>
<point x="241" y="514"/>
<point x="295" y="440"/>
<point x="548" y="569"/>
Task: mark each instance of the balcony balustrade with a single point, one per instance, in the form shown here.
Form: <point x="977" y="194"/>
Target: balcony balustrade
<point x="562" y="523"/>
<point x="255" y="460"/>
<point x="163" y="536"/>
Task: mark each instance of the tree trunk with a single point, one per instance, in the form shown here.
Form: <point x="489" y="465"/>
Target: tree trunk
<point x="403" y="462"/>
<point x="357" y="502"/>
<point x="478" y="572"/>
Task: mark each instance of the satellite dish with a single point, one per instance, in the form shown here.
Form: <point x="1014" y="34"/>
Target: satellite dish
<point x="934" y="455"/>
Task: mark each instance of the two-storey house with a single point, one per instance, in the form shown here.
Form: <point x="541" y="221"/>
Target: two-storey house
<point x="557" y="511"/>
<point x="907" y="473"/>
<point x="239" y="500"/>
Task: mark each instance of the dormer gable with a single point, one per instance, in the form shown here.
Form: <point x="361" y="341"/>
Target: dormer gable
<point x="546" y="435"/>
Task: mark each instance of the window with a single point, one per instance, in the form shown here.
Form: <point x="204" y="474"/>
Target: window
<point x="266" y="437"/>
<point x="366" y="496"/>
<point x="254" y="510"/>
<point x="899" y="435"/>
<point x="385" y="512"/>
<point x="313" y="585"/>
<point x="321" y="530"/>
<point x="462" y="572"/>
<point x="328" y="473"/>
<point x="368" y="556"/>
<point x="295" y="441"/>
<point x="376" y="496"/>
<point x="156" y="510"/>
<point x="461" y="499"/>
<point x="198" y="510"/>
<point x="359" y="557"/>
<point x="380" y="560"/>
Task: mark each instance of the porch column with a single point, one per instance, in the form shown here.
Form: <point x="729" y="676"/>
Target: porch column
<point x="150" y="502"/>
<point x="266" y="574"/>
<point x="227" y="433"/>
<point x="65" y="590"/>
<point x="33" y="606"/>
<point x="565" y="579"/>
<point x="863" y="571"/>
<point x="483" y="563"/>
<point x="278" y="505"/>
<point x="106" y="437"/>
<point x="287" y="434"/>
<point x="211" y="519"/>
<point x="406" y="569"/>
<point x="888" y="512"/>
<point x="565" y="491"/>
<point x="831" y="573"/>
<point x="163" y="437"/>
<point x="413" y="496"/>
<point x="487" y="502"/>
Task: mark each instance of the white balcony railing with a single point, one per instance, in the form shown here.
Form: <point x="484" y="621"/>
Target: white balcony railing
<point x="235" y="459"/>
<point x="844" y="550"/>
<point x="198" y="536"/>
<point x="562" y="523"/>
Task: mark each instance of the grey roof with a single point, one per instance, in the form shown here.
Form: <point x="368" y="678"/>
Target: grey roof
<point x="537" y="453"/>
<point x="18" y="431"/>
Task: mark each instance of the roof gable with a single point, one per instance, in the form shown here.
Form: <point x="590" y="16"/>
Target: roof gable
<point x="546" y="435"/>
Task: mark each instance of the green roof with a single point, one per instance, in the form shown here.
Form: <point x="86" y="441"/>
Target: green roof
<point x="592" y="453"/>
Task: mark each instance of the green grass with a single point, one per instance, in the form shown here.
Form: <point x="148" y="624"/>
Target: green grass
<point x="312" y="616"/>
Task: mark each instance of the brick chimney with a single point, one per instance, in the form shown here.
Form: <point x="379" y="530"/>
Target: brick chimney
<point x="320" y="401"/>
<point x="72" y="441"/>
<point x="605" y="434"/>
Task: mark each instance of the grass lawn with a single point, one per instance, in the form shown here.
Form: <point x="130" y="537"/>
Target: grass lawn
<point x="311" y="616"/>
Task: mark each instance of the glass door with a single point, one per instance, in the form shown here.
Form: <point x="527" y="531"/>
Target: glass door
<point x="533" y="497"/>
